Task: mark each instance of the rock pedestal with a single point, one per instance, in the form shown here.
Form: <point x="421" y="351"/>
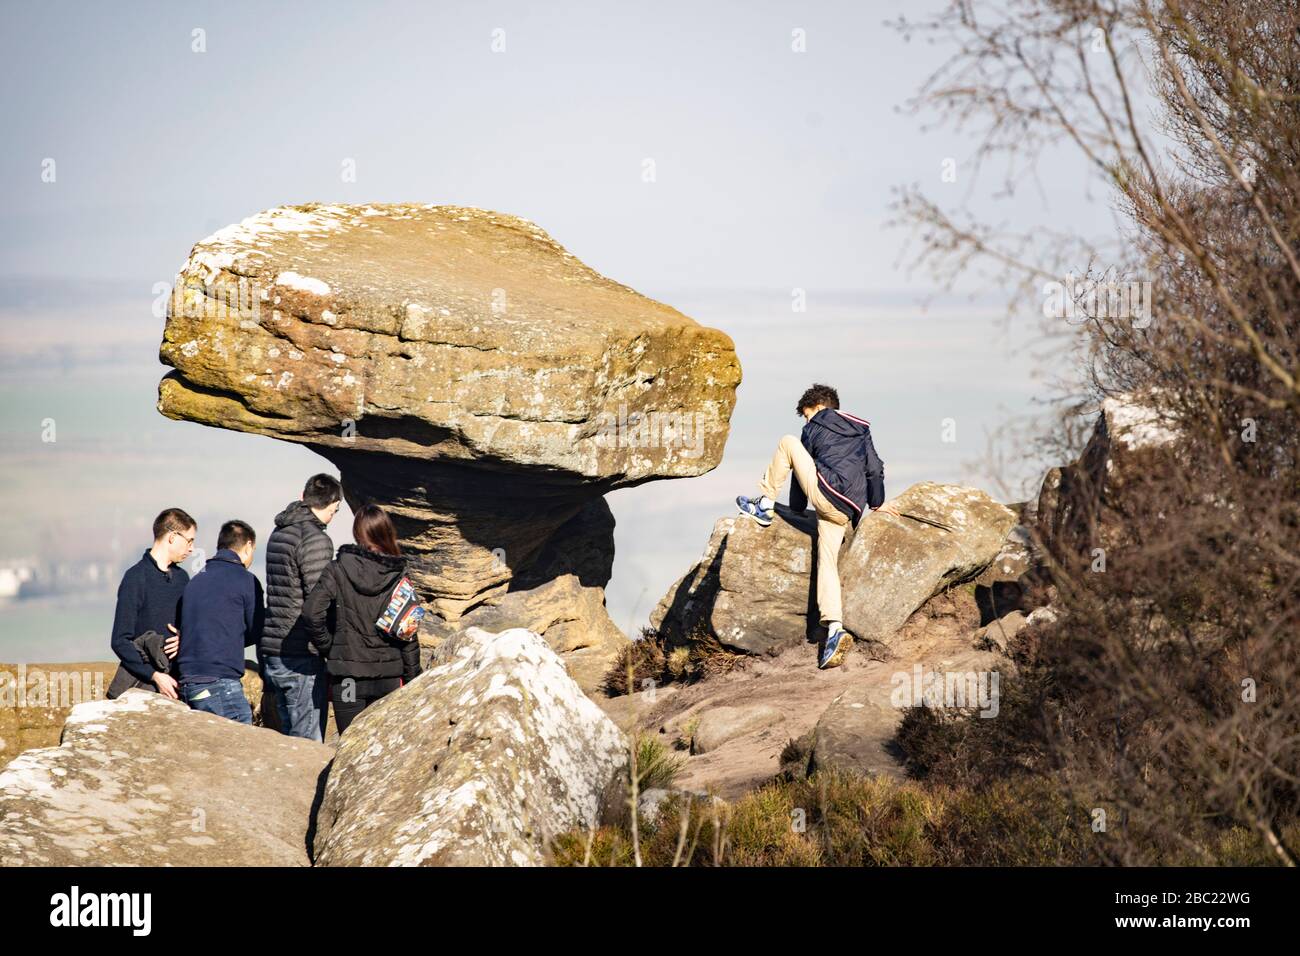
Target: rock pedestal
<point x="459" y="367"/>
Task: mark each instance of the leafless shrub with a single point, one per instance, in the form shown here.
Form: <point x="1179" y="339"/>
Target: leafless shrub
<point x="1168" y="679"/>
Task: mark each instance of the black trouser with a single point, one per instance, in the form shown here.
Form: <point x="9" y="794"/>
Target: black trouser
<point x="352" y="695"/>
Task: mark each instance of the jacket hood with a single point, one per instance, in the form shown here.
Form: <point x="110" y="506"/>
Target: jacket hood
<point x="296" y="512"/>
<point x="369" y="571"/>
<point x="837" y="422"/>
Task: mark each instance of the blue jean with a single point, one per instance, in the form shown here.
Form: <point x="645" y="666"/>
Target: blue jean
<point x="301" y="693"/>
<point x="224" y="697"/>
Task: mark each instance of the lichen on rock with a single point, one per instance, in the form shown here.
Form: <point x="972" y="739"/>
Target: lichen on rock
<point x="479" y="761"/>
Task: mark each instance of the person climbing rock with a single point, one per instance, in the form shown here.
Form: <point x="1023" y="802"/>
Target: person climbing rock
<point x="836" y="468"/>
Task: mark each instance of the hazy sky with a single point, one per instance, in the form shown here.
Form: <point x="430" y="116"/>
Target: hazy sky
<point x="774" y="170"/>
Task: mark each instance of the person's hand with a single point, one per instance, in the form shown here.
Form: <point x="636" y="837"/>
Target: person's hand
<point x="166" y="685"/>
<point x="889" y="510"/>
<point x="172" y="645"/>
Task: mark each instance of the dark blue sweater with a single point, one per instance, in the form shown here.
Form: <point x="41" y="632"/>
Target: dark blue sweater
<point x="221" y="614"/>
<point x="147" y="600"/>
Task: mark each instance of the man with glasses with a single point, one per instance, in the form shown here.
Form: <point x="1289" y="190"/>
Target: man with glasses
<point x="148" y="600"/>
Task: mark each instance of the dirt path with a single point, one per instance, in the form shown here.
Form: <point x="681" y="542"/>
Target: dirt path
<point x="791" y="684"/>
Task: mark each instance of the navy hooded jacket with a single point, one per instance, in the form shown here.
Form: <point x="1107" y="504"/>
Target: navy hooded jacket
<point x="849" y="472"/>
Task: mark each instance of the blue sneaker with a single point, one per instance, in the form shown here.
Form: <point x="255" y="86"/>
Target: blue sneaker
<point x="836" y="648"/>
<point x="762" y="510"/>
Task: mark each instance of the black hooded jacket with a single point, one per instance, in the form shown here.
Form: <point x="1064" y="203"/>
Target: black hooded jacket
<point x="849" y="471"/>
<point x="296" y="554"/>
<point x="355" y="588"/>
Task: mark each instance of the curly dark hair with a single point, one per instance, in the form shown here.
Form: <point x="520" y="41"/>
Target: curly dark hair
<point x="818" y="395"/>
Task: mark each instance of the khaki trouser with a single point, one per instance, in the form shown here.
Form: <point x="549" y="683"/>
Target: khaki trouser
<point x="831" y="521"/>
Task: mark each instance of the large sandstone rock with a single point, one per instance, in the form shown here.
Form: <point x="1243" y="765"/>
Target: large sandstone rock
<point x="479" y="761"/>
<point x="144" y="780"/>
<point x="896" y="564"/>
<point x="1082" y="506"/>
<point x="754" y="588"/>
<point x="458" y="366"/>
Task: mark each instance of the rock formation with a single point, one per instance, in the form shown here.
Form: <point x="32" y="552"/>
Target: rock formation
<point x="779" y="712"/>
<point x="460" y="368"/>
<point x="1081" y="505"/>
<point x="897" y="564"/>
<point x="752" y="590"/>
<point x="144" y="780"/>
<point x="495" y="748"/>
<point x="719" y="724"/>
<point x="479" y="761"/>
<point x="855" y="733"/>
<point x="754" y="587"/>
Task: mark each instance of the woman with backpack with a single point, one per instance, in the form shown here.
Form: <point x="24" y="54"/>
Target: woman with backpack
<point x="368" y="642"/>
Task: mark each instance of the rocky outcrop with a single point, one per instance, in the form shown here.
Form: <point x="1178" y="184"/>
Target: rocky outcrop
<point x="897" y="564"/>
<point x="144" y="780"/>
<point x="855" y="734"/>
<point x="479" y="761"/>
<point x="458" y="366"/>
<point x="751" y="588"/>
<point x="754" y="588"/>
<point x="715" y="727"/>
<point x="561" y="597"/>
<point x="1081" y="506"/>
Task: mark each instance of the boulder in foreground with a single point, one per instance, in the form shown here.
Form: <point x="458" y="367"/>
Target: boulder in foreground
<point x="146" y="781"/>
<point x="479" y="761"/>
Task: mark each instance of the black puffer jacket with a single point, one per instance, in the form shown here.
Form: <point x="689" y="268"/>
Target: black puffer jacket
<point x="296" y="554"/>
<point x="357" y="587"/>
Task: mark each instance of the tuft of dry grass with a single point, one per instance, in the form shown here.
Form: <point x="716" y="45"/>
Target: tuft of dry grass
<point x="838" y="819"/>
<point x="656" y="766"/>
<point x="652" y="658"/>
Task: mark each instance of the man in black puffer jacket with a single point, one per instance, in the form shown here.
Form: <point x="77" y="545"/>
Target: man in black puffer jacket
<point x="296" y="554"/>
